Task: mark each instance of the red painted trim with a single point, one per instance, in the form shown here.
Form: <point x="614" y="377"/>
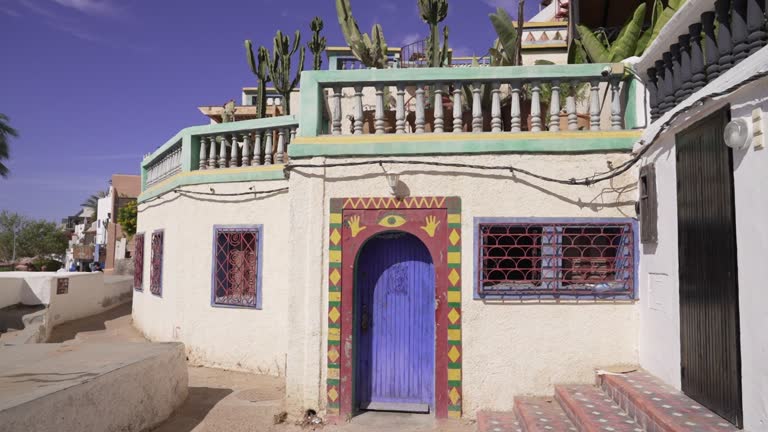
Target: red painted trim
<point x="371" y="212"/>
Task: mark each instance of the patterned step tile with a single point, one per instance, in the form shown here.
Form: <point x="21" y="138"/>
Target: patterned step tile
<point x="591" y="410"/>
<point x="659" y="407"/>
<point x="542" y="415"/>
<point x="497" y="421"/>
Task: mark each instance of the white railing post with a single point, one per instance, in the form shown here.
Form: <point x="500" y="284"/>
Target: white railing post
<point x="515" y="107"/>
<point x="257" y="149"/>
<point x="420" y="108"/>
<point x="212" y="153"/>
<point x="280" y="146"/>
<point x="438" y="109"/>
<point x="379" y="120"/>
<point x="570" y="107"/>
<point x="268" y="147"/>
<point x="234" y="156"/>
<point x="358" y="119"/>
<point x="223" y="152"/>
<point x="202" y="154"/>
<point x="496" y="124"/>
<point x="246" y="149"/>
<point x="477" y="108"/>
<point x="554" y="108"/>
<point x="400" y="109"/>
<point x="336" y="122"/>
<point x="458" y="121"/>
<point x="615" y="105"/>
<point x="594" y="106"/>
<point x="535" y="106"/>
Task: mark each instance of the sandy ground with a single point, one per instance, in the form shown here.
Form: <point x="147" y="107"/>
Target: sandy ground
<point x="221" y="400"/>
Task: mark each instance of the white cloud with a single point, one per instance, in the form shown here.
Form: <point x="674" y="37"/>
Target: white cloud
<point x="94" y="7"/>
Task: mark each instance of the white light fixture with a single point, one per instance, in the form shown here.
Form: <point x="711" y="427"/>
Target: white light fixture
<point x="738" y="134"/>
<point x="393" y="178"/>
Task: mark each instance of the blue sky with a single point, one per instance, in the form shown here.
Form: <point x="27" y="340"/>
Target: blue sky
<point x="92" y="85"/>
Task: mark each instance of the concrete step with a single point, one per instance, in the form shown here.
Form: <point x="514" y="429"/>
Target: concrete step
<point x="659" y="407"/>
<point x="591" y="410"/>
<point x="542" y="415"/>
<point x="497" y="421"/>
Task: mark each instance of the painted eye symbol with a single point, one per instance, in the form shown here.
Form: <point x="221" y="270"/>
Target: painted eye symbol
<point x="392" y="221"/>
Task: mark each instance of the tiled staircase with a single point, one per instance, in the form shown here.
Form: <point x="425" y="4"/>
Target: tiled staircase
<point x="631" y="402"/>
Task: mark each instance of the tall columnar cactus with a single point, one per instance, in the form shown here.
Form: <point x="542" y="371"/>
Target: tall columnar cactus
<point x="317" y="44"/>
<point x="260" y="68"/>
<point x="280" y="66"/>
<point x="433" y="12"/>
<point x="370" y="50"/>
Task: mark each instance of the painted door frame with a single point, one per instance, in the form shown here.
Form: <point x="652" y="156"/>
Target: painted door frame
<point x="436" y="221"/>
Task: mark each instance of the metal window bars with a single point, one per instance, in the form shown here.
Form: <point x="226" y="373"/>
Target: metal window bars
<point x="236" y="267"/>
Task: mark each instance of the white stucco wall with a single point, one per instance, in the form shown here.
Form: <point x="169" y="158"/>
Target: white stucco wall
<point x="231" y="338"/>
<point x="659" y="277"/>
<point x="509" y="349"/>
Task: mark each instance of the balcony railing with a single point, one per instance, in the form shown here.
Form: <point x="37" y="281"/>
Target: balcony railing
<point x="167" y="165"/>
<point x="703" y="41"/>
<point x="459" y="100"/>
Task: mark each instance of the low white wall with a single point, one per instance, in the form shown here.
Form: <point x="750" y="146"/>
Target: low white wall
<point x="231" y="338"/>
<point x="87" y="294"/>
<point x="659" y="277"/>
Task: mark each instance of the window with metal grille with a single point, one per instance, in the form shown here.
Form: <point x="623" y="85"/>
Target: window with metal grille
<point x="236" y="266"/>
<point x="138" y="262"/>
<point x="156" y="265"/>
<point x="545" y="258"/>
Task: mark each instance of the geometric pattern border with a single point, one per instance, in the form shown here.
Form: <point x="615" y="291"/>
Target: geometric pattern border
<point x="454" y="352"/>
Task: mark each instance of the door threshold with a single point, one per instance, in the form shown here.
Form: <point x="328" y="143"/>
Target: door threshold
<point x="416" y="408"/>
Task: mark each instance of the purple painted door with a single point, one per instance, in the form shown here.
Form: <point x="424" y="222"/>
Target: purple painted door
<point x="395" y="325"/>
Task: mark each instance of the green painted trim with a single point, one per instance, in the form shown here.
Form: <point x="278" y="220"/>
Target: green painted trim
<point x="222" y="128"/>
<point x="218" y="176"/>
<point x="470" y="145"/>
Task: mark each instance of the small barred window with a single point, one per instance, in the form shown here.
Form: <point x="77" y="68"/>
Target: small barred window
<point x="156" y="267"/>
<point x="236" y="270"/>
<point x="138" y="262"/>
<point x="556" y="260"/>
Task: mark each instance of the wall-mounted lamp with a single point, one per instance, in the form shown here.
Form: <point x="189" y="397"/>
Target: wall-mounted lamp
<point x="393" y="178"/>
<point x="738" y="134"/>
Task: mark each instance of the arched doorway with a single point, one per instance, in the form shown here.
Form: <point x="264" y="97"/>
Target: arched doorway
<point x="395" y="324"/>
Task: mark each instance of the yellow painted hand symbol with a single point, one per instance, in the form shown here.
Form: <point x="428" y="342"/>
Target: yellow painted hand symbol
<point x="431" y="226"/>
<point x="354" y="225"/>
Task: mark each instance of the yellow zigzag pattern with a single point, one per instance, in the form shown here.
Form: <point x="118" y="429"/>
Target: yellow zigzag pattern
<point x="390" y="203"/>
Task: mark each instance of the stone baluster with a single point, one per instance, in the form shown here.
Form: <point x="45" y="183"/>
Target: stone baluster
<point x="757" y="34"/>
<point x="336" y="122"/>
<point x="477" y="108"/>
<point x="212" y="153"/>
<point x="710" y="49"/>
<point x="660" y="94"/>
<point x="234" y="157"/>
<point x="420" y="108"/>
<point x="554" y="108"/>
<point x="698" y="78"/>
<point x="256" y="149"/>
<point x="724" y="37"/>
<point x="496" y="124"/>
<point x="379" y="119"/>
<point x="203" y="154"/>
<point x="293" y="134"/>
<point x="458" y="121"/>
<point x="685" y="65"/>
<point x="400" y="109"/>
<point x="594" y="106"/>
<point x="246" y="161"/>
<point x="515" y="107"/>
<point x="739" y="31"/>
<point x="677" y="74"/>
<point x="570" y="107"/>
<point x="535" y="106"/>
<point x="268" y="147"/>
<point x="615" y="105"/>
<point x="358" y="118"/>
<point x="223" y="152"/>
<point x="279" y="157"/>
<point x="439" y="126"/>
<point x="669" y="86"/>
<point x="653" y="89"/>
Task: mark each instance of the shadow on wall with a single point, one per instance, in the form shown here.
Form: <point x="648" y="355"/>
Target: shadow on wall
<point x="69" y="330"/>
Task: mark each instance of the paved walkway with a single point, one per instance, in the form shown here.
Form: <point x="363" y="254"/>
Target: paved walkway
<point x="222" y="400"/>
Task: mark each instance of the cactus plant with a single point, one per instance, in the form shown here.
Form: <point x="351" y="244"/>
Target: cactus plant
<point x="317" y="44"/>
<point x="433" y="12"/>
<point x="280" y="66"/>
<point x="370" y="50"/>
<point x="260" y="68"/>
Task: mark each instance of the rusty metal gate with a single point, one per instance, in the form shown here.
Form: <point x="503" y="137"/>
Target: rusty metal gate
<point x="709" y="311"/>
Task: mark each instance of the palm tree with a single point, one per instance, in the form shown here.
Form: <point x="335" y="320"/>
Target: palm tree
<point x="93" y="200"/>
<point x="5" y="131"/>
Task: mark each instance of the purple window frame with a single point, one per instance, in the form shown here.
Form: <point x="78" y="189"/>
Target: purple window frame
<point x="632" y="268"/>
<point x="156" y="263"/>
<point x="259" y="230"/>
<point x="138" y="262"/>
